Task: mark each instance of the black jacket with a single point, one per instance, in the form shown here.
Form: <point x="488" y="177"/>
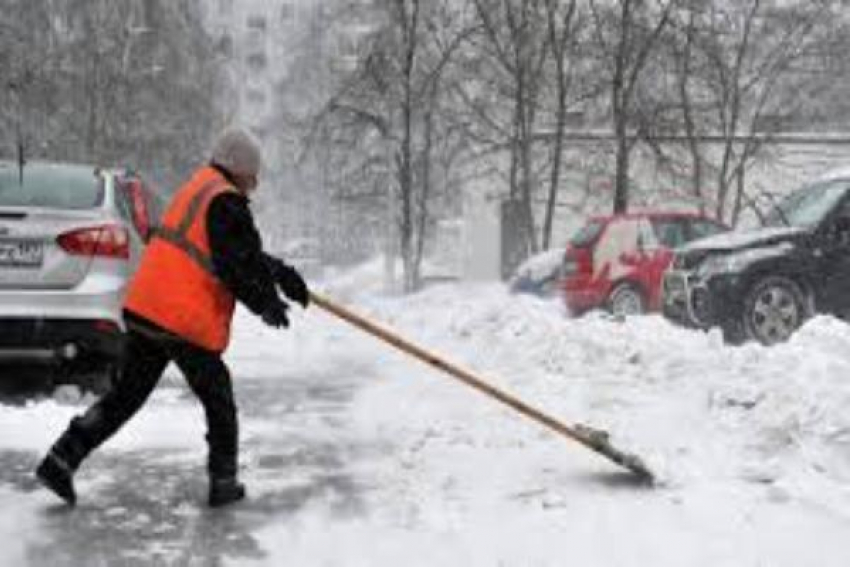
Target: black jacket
<point x="237" y="252"/>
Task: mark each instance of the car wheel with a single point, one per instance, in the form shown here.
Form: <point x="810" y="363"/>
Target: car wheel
<point x="626" y="300"/>
<point x="774" y="308"/>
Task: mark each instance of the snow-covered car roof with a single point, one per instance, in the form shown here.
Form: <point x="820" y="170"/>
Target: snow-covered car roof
<point x="541" y="265"/>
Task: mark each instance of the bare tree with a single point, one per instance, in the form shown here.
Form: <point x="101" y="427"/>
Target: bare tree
<point x="684" y="60"/>
<point x="393" y="99"/>
<point x="517" y="42"/>
<point x="495" y="94"/>
<point x="561" y="26"/>
<point x="110" y="83"/>
<point x="627" y="31"/>
<point x="742" y="63"/>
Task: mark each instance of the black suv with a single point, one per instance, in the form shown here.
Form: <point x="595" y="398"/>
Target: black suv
<point x="762" y="284"/>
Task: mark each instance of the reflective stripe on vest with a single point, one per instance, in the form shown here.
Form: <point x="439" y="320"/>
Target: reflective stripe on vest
<point x="177" y="237"/>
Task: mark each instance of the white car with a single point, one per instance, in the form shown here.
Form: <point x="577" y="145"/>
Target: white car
<point x="70" y="236"/>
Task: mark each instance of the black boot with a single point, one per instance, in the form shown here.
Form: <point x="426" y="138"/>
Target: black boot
<point x="56" y="471"/>
<point x="55" y="474"/>
<point x="224" y="491"/>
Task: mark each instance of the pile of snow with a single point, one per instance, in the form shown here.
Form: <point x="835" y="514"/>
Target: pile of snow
<point x="750" y="443"/>
<point x="697" y="409"/>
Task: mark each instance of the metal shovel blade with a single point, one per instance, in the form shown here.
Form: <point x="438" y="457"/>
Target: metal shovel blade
<point x="599" y="441"/>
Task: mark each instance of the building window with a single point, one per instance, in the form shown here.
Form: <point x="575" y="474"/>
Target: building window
<point x="257" y="23"/>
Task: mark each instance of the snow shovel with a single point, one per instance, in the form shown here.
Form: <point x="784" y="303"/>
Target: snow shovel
<point x="594" y="439"/>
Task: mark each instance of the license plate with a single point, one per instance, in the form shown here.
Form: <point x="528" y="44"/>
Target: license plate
<point x="21" y="254"/>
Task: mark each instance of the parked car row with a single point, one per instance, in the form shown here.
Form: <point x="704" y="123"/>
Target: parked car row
<point x="755" y="285"/>
<point x="70" y="236"/>
<point x="762" y="284"/>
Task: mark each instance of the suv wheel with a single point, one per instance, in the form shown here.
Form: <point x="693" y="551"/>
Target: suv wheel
<point x="773" y="309"/>
<point x="626" y="300"/>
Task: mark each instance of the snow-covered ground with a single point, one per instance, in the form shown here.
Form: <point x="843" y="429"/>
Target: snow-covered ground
<point x="751" y="445"/>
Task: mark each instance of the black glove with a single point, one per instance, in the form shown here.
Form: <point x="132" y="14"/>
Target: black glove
<point x="275" y="315"/>
<point x="291" y="283"/>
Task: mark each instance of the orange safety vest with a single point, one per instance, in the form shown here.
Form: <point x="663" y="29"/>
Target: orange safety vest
<point x="175" y="285"/>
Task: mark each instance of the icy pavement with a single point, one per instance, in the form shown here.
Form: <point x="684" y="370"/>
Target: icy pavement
<point x="142" y="497"/>
<point x="355" y="455"/>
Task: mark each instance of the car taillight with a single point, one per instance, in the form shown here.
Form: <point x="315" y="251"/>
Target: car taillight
<point x="111" y="241"/>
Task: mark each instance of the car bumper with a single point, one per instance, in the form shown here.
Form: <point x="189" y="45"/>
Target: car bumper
<point x="59" y="340"/>
<point x="62" y="325"/>
<point x="693" y="302"/>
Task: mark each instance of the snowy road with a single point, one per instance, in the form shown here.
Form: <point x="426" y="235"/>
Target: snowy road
<point x="145" y="505"/>
<point x="354" y="455"/>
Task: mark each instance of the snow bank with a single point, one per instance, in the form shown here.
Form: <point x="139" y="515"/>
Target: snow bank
<point x="697" y="409"/>
<point x="751" y="443"/>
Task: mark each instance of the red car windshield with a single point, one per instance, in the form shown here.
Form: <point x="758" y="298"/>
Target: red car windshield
<point x="587" y="234"/>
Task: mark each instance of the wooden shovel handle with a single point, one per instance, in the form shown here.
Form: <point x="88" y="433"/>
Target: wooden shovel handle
<point x="452" y="369"/>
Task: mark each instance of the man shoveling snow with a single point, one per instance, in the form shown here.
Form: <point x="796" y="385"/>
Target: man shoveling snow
<point x="179" y="307"/>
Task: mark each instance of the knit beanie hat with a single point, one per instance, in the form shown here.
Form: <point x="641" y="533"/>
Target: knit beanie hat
<point x="237" y="152"/>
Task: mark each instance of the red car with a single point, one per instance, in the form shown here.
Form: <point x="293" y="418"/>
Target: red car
<point x="618" y="262"/>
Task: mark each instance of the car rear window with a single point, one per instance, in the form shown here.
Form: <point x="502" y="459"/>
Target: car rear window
<point x="587" y="235"/>
<point x="670" y="232"/>
<point x="50" y="186"/>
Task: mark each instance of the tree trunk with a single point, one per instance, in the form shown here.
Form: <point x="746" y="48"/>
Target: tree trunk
<point x="620" y="111"/>
<point x="559" y="47"/>
<point x="740" y="178"/>
<point x="406" y="166"/>
<point x="425" y="192"/>
<point x="621" y="182"/>
<point x="723" y="181"/>
<point x="527" y="179"/>
<point x="688" y="115"/>
<point x="555" y="177"/>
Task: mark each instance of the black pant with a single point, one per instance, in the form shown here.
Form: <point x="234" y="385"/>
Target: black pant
<point x="148" y="352"/>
